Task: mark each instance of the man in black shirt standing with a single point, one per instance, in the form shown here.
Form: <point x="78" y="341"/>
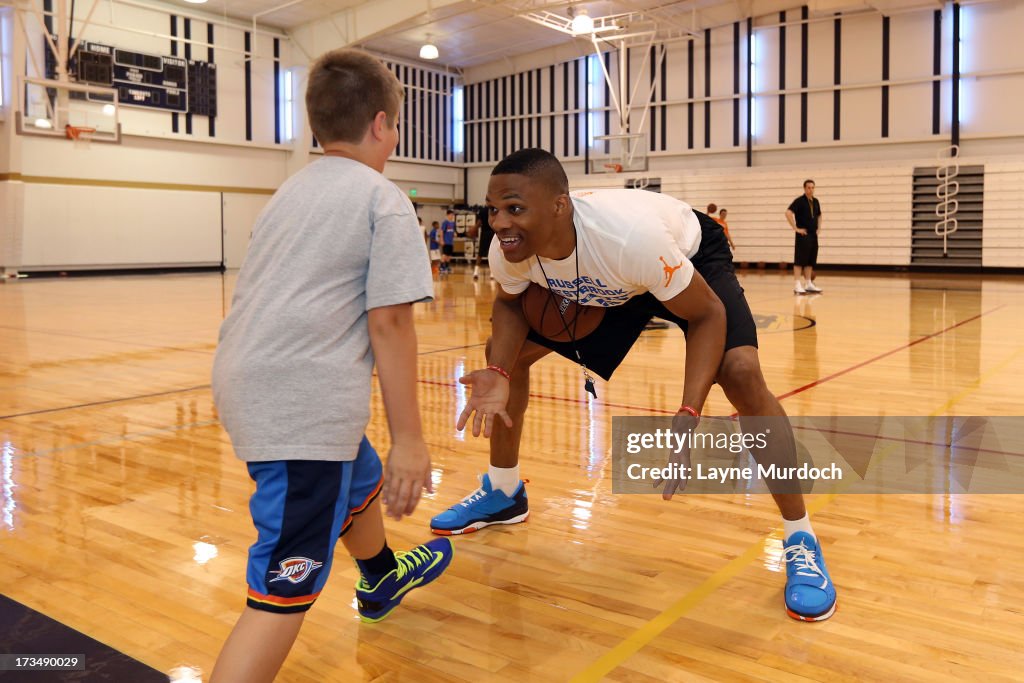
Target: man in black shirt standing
<point x="484" y="245"/>
<point x="804" y="216"/>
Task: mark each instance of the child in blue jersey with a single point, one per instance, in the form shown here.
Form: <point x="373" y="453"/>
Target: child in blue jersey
<point x="435" y="241"/>
<point x="448" y="239"/>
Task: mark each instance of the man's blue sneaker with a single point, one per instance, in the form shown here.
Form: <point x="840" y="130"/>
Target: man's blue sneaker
<point x="810" y="594"/>
<point x="416" y="568"/>
<point x="483" y="507"/>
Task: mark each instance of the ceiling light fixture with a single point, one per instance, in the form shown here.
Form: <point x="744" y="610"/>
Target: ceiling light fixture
<point x="196" y="2"/>
<point x="581" y="21"/>
<point x="428" y="50"/>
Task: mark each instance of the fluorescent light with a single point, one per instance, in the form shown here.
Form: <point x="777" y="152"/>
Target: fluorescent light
<point x="582" y="22"/>
<point x="428" y="51"/>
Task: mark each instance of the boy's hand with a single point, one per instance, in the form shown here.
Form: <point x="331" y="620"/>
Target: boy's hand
<point x="488" y="398"/>
<point x="406" y="474"/>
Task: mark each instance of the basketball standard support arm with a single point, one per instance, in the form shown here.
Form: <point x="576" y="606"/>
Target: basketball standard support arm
<point x="622" y="96"/>
<point x="636" y="28"/>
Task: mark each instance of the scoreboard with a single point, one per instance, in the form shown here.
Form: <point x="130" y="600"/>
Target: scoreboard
<point x="145" y="80"/>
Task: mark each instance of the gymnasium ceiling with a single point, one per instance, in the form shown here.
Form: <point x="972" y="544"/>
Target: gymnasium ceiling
<point x="473" y="32"/>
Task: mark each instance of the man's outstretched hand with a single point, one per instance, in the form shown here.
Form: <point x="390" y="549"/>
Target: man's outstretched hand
<point x="682" y="423"/>
<point x="488" y="398"/>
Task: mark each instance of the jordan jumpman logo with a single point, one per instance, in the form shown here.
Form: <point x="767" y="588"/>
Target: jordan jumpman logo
<point x="670" y="271"/>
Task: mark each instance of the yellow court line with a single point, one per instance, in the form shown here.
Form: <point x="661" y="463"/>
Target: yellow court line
<point x="999" y="367"/>
<point x="653" y="628"/>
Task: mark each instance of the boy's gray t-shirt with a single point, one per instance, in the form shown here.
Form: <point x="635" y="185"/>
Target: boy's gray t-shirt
<point x="292" y="372"/>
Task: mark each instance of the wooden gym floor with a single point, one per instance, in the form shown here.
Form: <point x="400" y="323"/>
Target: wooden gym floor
<point x="123" y="511"/>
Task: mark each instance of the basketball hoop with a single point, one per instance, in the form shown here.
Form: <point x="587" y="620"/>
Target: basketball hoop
<point x="78" y="132"/>
<point x="619" y="153"/>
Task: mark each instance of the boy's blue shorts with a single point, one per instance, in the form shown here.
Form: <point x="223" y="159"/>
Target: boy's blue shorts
<point x="301" y="508"/>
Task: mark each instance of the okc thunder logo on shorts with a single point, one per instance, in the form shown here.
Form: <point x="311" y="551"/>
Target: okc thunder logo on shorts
<point x="295" y="569"/>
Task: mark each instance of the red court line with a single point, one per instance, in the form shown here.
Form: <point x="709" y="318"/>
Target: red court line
<point x="561" y="399"/>
<point x="811" y="385"/>
<point x="822" y="380"/>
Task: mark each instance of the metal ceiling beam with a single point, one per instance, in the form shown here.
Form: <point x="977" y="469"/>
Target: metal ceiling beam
<point x="363" y="22"/>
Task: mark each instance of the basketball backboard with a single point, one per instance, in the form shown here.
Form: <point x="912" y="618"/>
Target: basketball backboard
<point x="68" y="110"/>
<point x="619" y="153"/>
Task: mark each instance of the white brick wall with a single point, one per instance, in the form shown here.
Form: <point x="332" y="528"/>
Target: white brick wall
<point x="1003" y="243"/>
<point x="866" y="212"/>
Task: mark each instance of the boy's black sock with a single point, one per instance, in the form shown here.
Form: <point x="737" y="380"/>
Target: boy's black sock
<point x="378" y="566"/>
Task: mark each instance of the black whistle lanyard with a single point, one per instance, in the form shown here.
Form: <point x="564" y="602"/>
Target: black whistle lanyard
<point x="588" y="380"/>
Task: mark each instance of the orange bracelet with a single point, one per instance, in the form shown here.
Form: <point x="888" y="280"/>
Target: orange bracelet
<point x="501" y="371"/>
<point x="687" y="409"/>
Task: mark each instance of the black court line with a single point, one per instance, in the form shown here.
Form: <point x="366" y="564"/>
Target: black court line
<point x="103" y="339"/>
<point x="885" y="285"/>
<point x="578" y="401"/>
<point x="424" y="353"/>
<point x="136" y="436"/>
<point x="452" y="348"/>
<point x="25" y="631"/>
<point x="915" y="288"/>
<point x="780" y="397"/>
<point x="176" y="391"/>
<point x="101" y="403"/>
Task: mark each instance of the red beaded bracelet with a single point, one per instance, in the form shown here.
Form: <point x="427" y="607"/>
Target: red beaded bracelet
<point x="501" y="371"/>
<point x="687" y="409"/>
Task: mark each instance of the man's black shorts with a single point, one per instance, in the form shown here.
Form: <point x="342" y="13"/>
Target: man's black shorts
<point x="605" y="348"/>
<point x="805" y="251"/>
<point x="448" y="250"/>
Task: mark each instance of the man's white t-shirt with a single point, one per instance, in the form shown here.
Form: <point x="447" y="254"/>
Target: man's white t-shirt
<point x="629" y="242"/>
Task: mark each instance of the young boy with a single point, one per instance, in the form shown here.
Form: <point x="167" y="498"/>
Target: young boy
<point x="654" y="256"/>
<point x="435" y="244"/>
<point x="448" y="239"/>
<point x="326" y="291"/>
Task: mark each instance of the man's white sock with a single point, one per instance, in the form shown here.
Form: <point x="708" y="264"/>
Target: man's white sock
<point x="504" y="479"/>
<point x="789" y="526"/>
